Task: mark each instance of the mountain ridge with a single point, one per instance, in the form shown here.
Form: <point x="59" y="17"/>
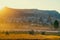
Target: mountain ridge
<point x="11" y="11"/>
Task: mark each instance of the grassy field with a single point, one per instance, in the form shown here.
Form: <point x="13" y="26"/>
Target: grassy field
<point x="29" y="36"/>
<point x="13" y="36"/>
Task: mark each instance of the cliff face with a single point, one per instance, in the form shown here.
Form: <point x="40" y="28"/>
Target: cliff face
<point x="23" y="18"/>
<point x="28" y="14"/>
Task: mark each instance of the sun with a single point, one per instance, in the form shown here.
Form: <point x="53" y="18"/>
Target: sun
<point x="1" y="7"/>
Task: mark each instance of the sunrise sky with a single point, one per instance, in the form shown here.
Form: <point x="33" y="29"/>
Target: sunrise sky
<point x="32" y="4"/>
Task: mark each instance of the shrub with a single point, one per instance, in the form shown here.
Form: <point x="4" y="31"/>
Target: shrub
<point x="7" y="33"/>
<point x="56" y="24"/>
<point x="43" y="33"/>
<point x="31" y="32"/>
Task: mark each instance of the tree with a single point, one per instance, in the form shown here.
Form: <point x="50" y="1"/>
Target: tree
<point x="49" y="19"/>
<point x="31" y="32"/>
<point x="56" y="24"/>
<point x="43" y="32"/>
<point x="7" y="33"/>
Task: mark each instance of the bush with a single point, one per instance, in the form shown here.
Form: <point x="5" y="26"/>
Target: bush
<point x="43" y="33"/>
<point x="31" y="32"/>
<point x="56" y="24"/>
<point x="7" y="33"/>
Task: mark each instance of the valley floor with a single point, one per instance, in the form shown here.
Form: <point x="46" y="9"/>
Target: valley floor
<point x="29" y="36"/>
<point x="20" y="27"/>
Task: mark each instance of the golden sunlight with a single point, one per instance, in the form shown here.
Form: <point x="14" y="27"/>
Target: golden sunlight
<point x="1" y="10"/>
<point x="1" y="7"/>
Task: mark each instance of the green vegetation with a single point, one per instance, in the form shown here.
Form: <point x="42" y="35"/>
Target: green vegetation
<point x="31" y="32"/>
<point x="43" y="33"/>
<point x="56" y="24"/>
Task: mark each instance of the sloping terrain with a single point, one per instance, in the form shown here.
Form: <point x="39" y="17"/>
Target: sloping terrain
<point x="11" y="19"/>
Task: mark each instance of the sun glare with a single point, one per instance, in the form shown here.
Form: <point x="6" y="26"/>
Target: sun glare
<point x="1" y="10"/>
<point x="1" y="7"/>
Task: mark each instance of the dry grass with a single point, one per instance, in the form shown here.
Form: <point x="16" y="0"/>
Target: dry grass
<point x="29" y="36"/>
<point x="26" y="36"/>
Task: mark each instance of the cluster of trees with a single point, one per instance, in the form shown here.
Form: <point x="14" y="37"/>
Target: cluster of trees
<point x="55" y="24"/>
